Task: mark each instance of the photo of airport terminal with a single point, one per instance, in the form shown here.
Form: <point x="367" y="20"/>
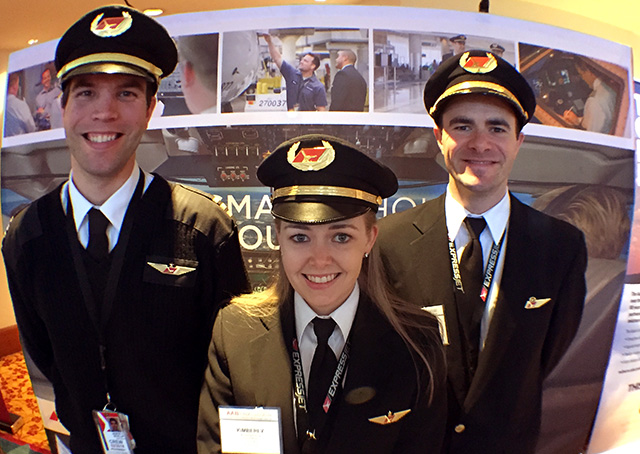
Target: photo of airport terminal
<point x="290" y="68"/>
<point x="404" y="61"/>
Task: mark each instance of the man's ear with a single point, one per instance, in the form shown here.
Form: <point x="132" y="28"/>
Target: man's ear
<point x="152" y="106"/>
<point x="188" y="74"/>
<point x="437" y="132"/>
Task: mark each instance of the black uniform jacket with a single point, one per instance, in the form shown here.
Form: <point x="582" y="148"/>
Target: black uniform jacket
<point x="349" y="90"/>
<point x="249" y="365"/>
<point x="157" y="328"/>
<point x="546" y="260"/>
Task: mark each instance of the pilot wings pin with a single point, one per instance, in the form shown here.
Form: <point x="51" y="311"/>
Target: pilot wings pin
<point x="172" y="269"/>
<point x="535" y="303"/>
<point x="390" y="417"/>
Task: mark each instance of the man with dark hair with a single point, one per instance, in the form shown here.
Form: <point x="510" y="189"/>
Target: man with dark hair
<point x="507" y="281"/>
<point x="304" y="90"/>
<point x="599" y="108"/>
<point x="116" y="276"/>
<point x="349" y="90"/>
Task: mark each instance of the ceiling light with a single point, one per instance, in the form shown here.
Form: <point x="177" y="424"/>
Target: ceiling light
<point x="32" y="41"/>
<point x="153" y="12"/>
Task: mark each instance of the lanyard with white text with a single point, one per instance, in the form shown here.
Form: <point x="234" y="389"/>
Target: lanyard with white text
<point x="488" y="275"/>
<point x="300" y="393"/>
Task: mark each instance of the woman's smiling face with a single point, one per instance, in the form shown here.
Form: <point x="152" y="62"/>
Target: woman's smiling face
<point x="322" y="262"/>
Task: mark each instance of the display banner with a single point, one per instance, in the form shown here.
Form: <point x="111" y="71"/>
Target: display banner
<point x="618" y="420"/>
<point x="229" y="103"/>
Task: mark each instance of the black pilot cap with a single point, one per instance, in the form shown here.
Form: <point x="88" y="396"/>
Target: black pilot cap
<point x="317" y="179"/>
<point x="479" y="71"/>
<point x="116" y="40"/>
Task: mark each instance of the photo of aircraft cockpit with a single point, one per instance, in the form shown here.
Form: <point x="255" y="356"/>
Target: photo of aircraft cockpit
<point x="574" y="91"/>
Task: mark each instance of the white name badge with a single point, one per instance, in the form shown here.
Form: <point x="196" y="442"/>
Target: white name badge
<point x="438" y="312"/>
<point x="246" y="430"/>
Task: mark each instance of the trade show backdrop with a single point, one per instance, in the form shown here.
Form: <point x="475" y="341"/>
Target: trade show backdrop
<point x="578" y="166"/>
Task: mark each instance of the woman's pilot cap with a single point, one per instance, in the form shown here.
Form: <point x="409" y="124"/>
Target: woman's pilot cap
<point x="116" y="40"/>
<point x="317" y="179"/>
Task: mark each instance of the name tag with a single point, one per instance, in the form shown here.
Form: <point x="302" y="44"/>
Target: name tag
<point x="438" y="312"/>
<point x="113" y="429"/>
<point x="250" y="430"/>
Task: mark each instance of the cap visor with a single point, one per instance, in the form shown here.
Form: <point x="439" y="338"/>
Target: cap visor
<point x="316" y="212"/>
<point x="108" y="68"/>
<point x="482" y="90"/>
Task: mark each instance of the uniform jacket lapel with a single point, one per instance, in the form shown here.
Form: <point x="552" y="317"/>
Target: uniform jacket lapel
<point x="271" y="374"/>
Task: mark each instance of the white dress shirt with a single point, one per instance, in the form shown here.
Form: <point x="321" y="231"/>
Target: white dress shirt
<point x="114" y="208"/>
<point x="307" y="341"/>
<point x="497" y="219"/>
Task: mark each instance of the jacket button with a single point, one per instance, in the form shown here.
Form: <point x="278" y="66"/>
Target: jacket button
<point x="460" y="428"/>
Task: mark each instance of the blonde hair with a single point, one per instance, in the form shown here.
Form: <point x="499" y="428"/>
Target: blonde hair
<point x="417" y="329"/>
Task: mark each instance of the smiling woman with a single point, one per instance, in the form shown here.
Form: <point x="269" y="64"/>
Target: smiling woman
<point x="322" y="262"/>
<point x="350" y="367"/>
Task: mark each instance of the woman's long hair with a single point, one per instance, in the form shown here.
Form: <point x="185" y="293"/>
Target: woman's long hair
<point x="418" y="329"/>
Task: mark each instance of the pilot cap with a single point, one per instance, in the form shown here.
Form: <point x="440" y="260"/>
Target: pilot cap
<point x="317" y="179"/>
<point x="479" y="72"/>
<point x="116" y="40"/>
<point x="458" y="39"/>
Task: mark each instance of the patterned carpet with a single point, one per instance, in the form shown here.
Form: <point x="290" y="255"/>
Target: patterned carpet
<point x="20" y="400"/>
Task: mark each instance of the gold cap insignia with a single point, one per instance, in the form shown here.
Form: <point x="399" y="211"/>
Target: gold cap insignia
<point x="316" y="158"/>
<point x="111" y="26"/>
<point x="478" y="64"/>
<point x="390" y="417"/>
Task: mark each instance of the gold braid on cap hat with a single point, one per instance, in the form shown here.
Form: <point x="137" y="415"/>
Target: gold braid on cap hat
<point x="111" y="57"/>
<point x="471" y="86"/>
<point x="335" y="191"/>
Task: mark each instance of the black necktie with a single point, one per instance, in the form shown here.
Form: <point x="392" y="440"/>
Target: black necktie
<point x="471" y="271"/>
<point x="323" y="368"/>
<point x="98" y="246"/>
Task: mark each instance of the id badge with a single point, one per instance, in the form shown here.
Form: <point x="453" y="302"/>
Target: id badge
<point x="114" y="433"/>
<point x="245" y="430"/>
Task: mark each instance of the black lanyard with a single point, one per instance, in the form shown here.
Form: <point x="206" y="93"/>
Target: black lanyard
<point x="488" y="274"/>
<point x="300" y="394"/>
<point x="90" y="300"/>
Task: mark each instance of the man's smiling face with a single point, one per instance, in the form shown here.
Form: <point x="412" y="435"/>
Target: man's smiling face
<point x="479" y="141"/>
<point x="104" y="119"/>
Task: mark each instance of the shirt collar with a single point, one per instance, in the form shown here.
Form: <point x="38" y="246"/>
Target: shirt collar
<point x="343" y="315"/>
<point x="496" y="217"/>
<point x="114" y="208"/>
